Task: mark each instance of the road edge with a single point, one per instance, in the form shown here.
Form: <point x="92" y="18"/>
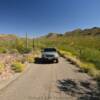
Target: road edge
<point x="5" y="83"/>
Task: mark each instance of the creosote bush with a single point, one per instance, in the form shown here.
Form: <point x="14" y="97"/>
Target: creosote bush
<point x="3" y="50"/>
<point x="30" y="58"/>
<point x="23" y="50"/>
<point x="12" y="51"/>
<point x="17" y="66"/>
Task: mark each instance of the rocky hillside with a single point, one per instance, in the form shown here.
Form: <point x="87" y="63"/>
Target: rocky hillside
<point x="53" y="35"/>
<point x="95" y="31"/>
<point x="7" y="37"/>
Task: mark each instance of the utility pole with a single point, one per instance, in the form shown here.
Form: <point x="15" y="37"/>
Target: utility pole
<point x="33" y="43"/>
<point x="26" y="40"/>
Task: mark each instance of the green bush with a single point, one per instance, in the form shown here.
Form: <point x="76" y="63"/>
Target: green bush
<point x="24" y="50"/>
<point x="93" y="72"/>
<point x="21" y="46"/>
<point x="91" y="55"/>
<point x="12" y="51"/>
<point x="3" y="50"/>
<point x="90" y="69"/>
<point x="17" y="66"/>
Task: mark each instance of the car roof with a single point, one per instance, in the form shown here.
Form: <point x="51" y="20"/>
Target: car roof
<point x="50" y="48"/>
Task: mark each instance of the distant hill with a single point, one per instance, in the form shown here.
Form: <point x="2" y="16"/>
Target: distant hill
<point x="53" y="35"/>
<point x="95" y="31"/>
<point x="7" y="37"/>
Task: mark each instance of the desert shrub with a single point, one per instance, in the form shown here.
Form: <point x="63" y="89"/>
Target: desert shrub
<point x="12" y="51"/>
<point x="67" y="48"/>
<point x="17" y="66"/>
<point x="3" y="50"/>
<point x="91" y="55"/>
<point x="93" y="72"/>
<point x="21" y="46"/>
<point x="1" y="67"/>
<point x="87" y="67"/>
<point x="90" y="69"/>
<point x="24" y="50"/>
<point x="30" y="59"/>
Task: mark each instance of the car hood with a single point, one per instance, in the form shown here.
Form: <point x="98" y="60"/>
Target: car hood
<point x="50" y="53"/>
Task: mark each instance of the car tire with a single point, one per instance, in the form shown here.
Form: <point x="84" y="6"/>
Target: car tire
<point x="57" y="60"/>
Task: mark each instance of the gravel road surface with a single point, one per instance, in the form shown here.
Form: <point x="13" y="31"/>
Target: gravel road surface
<point x="48" y="82"/>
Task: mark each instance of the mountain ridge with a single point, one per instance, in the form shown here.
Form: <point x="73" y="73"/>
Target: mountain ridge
<point x="95" y="31"/>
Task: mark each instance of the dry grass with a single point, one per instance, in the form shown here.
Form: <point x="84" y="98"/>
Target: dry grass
<point x="87" y="67"/>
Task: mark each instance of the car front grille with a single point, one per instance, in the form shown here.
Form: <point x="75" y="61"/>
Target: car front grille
<point x="49" y="55"/>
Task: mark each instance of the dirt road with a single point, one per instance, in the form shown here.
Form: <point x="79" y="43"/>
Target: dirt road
<point x="61" y="81"/>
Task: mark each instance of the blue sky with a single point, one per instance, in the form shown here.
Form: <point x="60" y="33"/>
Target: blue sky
<point x="43" y="16"/>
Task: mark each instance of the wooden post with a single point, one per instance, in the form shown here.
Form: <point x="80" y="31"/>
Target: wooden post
<point x="26" y="40"/>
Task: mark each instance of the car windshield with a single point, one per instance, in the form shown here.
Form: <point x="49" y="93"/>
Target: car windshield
<point x="49" y="50"/>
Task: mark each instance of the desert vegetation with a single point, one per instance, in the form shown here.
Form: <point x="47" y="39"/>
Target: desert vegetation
<point x="17" y="66"/>
<point x="83" y="45"/>
<point x="15" y="53"/>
